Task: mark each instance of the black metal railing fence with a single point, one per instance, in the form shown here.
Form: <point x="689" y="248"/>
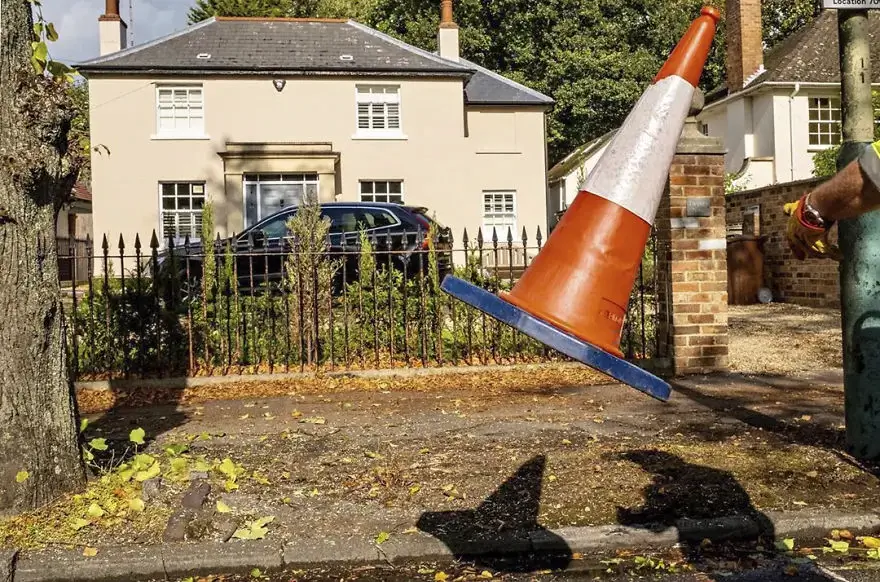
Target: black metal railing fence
<point x="234" y="307"/>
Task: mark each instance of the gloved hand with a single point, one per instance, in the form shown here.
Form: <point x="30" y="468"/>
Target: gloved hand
<point x="807" y="240"/>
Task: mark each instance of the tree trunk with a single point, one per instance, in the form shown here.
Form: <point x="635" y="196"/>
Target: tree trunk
<point x="38" y="432"/>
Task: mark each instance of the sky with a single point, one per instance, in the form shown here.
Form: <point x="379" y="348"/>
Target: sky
<point x="77" y="23"/>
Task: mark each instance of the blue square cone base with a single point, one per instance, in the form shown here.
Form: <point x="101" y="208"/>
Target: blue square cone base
<point x="538" y="329"/>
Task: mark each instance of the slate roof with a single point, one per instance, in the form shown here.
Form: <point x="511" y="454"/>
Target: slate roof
<point x="489" y="88"/>
<point x="230" y="46"/>
<point x="809" y="55"/>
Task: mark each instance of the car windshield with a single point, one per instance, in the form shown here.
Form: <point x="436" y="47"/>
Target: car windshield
<point x="275" y="227"/>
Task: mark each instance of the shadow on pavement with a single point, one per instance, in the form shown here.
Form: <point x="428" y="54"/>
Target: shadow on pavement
<point x="823" y="435"/>
<point x="680" y="492"/>
<point x="496" y="535"/>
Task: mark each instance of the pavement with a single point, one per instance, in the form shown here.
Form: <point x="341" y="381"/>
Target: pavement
<point x="377" y="485"/>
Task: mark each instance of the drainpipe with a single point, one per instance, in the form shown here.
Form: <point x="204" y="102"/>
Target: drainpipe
<point x="797" y="89"/>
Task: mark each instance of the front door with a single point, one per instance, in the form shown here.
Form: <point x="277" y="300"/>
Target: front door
<point x="266" y="194"/>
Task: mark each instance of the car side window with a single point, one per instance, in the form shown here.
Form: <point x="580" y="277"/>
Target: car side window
<point x="342" y="220"/>
<point x="377" y="218"/>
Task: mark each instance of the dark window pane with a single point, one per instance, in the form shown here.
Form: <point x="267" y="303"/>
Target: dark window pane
<point x="395" y="187"/>
<point x="168" y="190"/>
<point x="381" y="187"/>
<point x="168" y="203"/>
<point x="366" y="187"/>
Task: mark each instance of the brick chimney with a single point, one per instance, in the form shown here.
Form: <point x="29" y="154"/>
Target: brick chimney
<point x="447" y="36"/>
<point x="745" y="50"/>
<point x="112" y="30"/>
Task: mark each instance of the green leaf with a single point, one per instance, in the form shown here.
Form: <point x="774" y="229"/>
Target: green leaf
<point x="41" y="51"/>
<point x="382" y="537"/>
<point x="263" y="521"/>
<point x="83" y="424"/>
<point x="38" y="66"/>
<point x="839" y="546"/>
<point x="176" y="450"/>
<point x="253" y="530"/>
<point x="22" y="476"/>
<point x="51" y="33"/>
<point x="143" y="461"/>
<point x="256" y="573"/>
<point x="38" y="29"/>
<point x="202" y="466"/>
<point x="79" y="523"/>
<point x="153" y="471"/>
<point x="874" y="554"/>
<point x="179" y="465"/>
<point x="95" y="511"/>
<point x="98" y="444"/>
<point x="229" y="468"/>
<point x="136" y="504"/>
<point x="88" y="455"/>
<point x="222" y="507"/>
<point x="230" y="485"/>
<point x="785" y="545"/>
<point x="137" y="436"/>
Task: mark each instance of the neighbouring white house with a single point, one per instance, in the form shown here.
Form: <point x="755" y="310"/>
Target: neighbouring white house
<point x="251" y="114"/>
<point x="565" y="178"/>
<point x="774" y="113"/>
<point x="777" y="110"/>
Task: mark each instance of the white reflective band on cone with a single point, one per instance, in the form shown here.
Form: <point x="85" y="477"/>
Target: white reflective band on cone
<point x="633" y="171"/>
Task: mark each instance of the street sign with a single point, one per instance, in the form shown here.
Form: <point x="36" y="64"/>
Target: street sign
<point x="851" y="4"/>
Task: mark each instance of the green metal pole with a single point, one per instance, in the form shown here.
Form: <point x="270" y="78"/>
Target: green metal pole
<point x="859" y="240"/>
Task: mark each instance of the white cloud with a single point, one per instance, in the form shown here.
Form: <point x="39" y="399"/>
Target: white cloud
<point x="77" y="23"/>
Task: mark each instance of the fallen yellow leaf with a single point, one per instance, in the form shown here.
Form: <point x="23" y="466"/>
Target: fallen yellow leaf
<point x="89" y="552"/>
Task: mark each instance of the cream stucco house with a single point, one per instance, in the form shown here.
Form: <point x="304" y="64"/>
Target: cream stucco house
<point x="252" y="113"/>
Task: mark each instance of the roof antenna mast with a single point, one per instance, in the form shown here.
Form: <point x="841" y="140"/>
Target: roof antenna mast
<point x="130" y="23"/>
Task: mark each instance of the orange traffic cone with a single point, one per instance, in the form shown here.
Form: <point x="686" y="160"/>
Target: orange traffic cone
<point x="582" y="280"/>
<point x="578" y="286"/>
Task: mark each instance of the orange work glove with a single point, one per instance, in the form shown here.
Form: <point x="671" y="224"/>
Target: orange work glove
<point x="805" y="239"/>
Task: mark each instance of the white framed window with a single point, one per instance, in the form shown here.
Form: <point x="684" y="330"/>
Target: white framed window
<point x="824" y="122"/>
<point x="180" y="111"/>
<point x="382" y="191"/>
<point x="499" y="212"/>
<point x="378" y="111"/>
<point x="266" y="194"/>
<point x="181" y="206"/>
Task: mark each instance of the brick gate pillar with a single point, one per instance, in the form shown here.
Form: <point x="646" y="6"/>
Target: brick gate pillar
<point x="692" y="256"/>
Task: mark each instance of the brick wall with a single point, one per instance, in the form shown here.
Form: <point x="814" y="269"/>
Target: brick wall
<point x="692" y="265"/>
<point x="812" y="282"/>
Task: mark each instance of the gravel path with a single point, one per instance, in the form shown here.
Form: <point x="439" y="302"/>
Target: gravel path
<point x="781" y="338"/>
